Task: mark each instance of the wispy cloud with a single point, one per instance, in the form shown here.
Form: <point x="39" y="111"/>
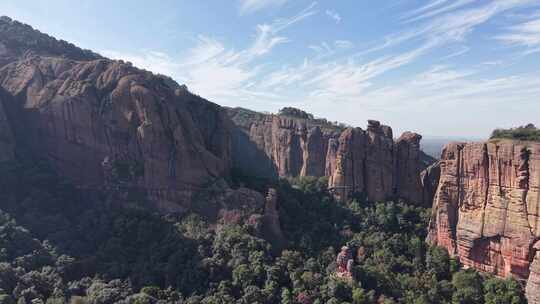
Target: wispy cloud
<point x="353" y="80"/>
<point x="334" y="15"/>
<point x="325" y="50"/>
<point x="340" y="71"/>
<point x="431" y="10"/>
<point x="506" y="100"/>
<point x="342" y="80"/>
<point x="206" y="49"/>
<point x="442" y="85"/>
<point x="251" y="6"/>
<point x="267" y="34"/>
<point x="431" y="5"/>
<point x="448" y="24"/>
<point x="156" y="62"/>
<point x="344" y="44"/>
<point x="461" y="51"/>
<point x="526" y="34"/>
<point x="217" y="72"/>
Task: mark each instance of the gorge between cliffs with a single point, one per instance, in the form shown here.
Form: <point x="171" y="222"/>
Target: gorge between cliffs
<point x="118" y="185"/>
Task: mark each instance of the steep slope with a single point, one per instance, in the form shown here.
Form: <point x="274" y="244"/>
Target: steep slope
<point x="7" y="141"/>
<point x="486" y="208"/>
<point x="366" y="162"/>
<point x="102" y="120"/>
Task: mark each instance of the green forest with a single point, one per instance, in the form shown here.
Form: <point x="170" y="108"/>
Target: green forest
<point x="60" y="244"/>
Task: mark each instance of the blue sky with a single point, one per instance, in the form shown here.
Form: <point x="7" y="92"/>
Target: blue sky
<point x="439" y="67"/>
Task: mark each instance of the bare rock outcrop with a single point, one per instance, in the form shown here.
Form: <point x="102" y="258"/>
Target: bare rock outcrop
<point x="429" y="178"/>
<point x="380" y="175"/>
<point x="408" y="163"/>
<point x="364" y="162"/>
<point x="271" y="229"/>
<point x="349" y="166"/>
<point x="486" y="207"/>
<point x="97" y="119"/>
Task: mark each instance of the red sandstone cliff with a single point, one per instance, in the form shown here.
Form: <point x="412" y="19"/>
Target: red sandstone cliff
<point x="486" y="208"/>
<point x="367" y="161"/>
<point x="97" y="119"/>
<point x="105" y="123"/>
<point x="532" y="290"/>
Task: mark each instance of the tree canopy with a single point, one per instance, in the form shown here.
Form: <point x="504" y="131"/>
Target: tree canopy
<point x="59" y="244"/>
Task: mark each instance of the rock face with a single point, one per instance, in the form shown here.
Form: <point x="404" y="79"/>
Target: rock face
<point x="486" y="208"/>
<point x="532" y="291"/>
<point x="430" y="181"/>
<point x="97" y="119"/>
<point x="408" y="166"/>
<point x="271" y="223"/>
<point x="7" y="141"/>
<point x="365" y="162"/>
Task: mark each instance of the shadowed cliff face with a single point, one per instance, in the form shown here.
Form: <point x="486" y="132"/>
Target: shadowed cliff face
<point x="365" y="162"/>
<point x="100" y="120"/>
<point x="486" y="208"/>
<point x="7" y="141"/>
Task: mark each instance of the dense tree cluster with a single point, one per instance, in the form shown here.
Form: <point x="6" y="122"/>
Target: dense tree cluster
<point x="60" y="244"/>
<point x="528" y="132"/>
<point x="294" y="112"/>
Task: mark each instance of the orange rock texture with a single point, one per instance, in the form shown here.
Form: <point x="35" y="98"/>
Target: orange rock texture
<point x="356" y="161"/>
<point x="486" y="207"/>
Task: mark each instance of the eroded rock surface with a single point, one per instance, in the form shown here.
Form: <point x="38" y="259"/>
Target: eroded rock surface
<point x="366" y="162"/>
<point x="486" y="206"/>
<point x="532" y="291"/>
<point x="429" y="179"/>
<point x="271" y="229"/>
<point x="97" y="119"/>
<point x="408" y="165"/>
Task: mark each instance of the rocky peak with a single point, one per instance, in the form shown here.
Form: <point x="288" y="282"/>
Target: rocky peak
<point x="294" y="112"/>
<point x="18" y="39"/>
<point x="410" y="138"/>
<point x="375" y="127"/>
<point x="408" y="183"/>
<point x="101" y="121"/>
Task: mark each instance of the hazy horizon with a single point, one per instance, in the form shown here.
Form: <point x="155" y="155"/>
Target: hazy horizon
<point x="440" y="68"/>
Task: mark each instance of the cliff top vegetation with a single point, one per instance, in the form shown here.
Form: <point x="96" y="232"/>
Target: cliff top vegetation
<point x="528" y="133"/>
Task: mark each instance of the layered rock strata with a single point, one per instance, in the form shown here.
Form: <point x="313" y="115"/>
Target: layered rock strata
<point x="486" y="208"/>
<point x="366" y="162"/>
